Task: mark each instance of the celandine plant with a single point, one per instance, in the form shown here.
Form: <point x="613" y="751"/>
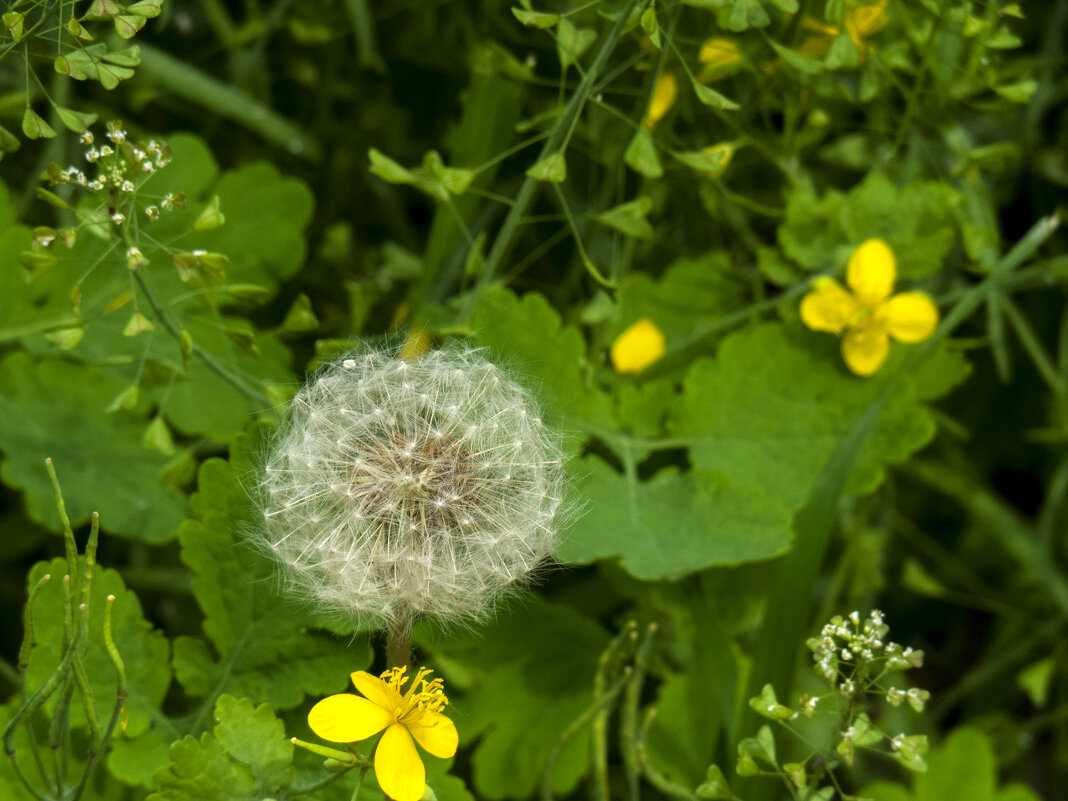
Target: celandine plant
<point x="405" y="487"/>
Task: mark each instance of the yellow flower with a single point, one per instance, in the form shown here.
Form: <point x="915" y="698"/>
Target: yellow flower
<point x="347" y="718"/>
<point x="718" y="53"/>
<point x="864" y="21"/>
<point x="868" y="315"/>
<point x="664" y="94"/>
<point x="861" y="22"/>
<point x="724" y="151"/>
<point x="637" y="347"/>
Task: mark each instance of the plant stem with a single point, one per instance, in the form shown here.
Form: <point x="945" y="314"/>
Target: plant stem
<point x="399" y="645"/>
<point x="565" y="124"/>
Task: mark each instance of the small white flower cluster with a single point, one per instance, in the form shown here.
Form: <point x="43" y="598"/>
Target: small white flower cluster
<point x="400" y="488"/>
<point x="861" y="645"/>
<point x="121" y="167"/>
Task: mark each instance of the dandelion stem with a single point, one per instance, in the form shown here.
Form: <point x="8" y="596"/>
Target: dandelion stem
<point x="399" y="645"/>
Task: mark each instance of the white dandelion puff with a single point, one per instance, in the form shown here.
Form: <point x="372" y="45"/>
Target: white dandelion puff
<point x="407" y="487"/>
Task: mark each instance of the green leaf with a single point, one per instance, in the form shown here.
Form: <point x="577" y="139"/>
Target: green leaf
<point x="9" y="143"/>
<point x="843" y="53"/>
<point x="211" y="217"/>
<point x="914" y="221"/>
<point x="1036" y="680"/>
<point x="691" y="292"/>
<point x="552" y="168"/>
<point x="671" y="524"/>
<point x="389" y="170"/>
<point x="79" y="64"/>
<point x="767" y="705"/>
<point x="771" y="408"/>
<point x="13" y="21"/>
<point x="127" y="57"/>
<point x="964" y="766"/>
<point x="536" y="18"/>
<point x="711" y="160"/>
<point x="521" y="330"/>
<point x="266" y="217"/>
<point x="136" y="761"/>
<point x="201" y="770"/>
<point x="710" y="97"/>
<point x="572" y="42"/>
<point x="34" y="126"/>
<point x="144" y="652"/>
<point x="641" y="156"/>
<point x="77" y="121"/>
<point x="747" y="14"/>
<point x="263" y="648"/>
<point x="138" y="324"/>
<point x="630" y="218"/>
<point x="301" y="317"/>
<point x="158" y="437"/>
<point x="1019" y="92"/>
<point x="801" y="63"/>
<point x="145" y="8"/>
<point x="12" y="789"/>
<point x="455" y="180"/>
<point x="543" y="689"/>
<point x="1003" y="39"/>
<point x="103" y="466"/>
<point x="127" y="25"/>
<point x="255" y="737"/>
<point x="714" y="787"/>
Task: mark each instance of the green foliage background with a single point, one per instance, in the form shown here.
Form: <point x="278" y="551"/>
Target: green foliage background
<point x="468" y="169"/>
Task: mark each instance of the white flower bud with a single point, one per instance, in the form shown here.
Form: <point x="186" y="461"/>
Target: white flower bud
<point x="398" y="488"/>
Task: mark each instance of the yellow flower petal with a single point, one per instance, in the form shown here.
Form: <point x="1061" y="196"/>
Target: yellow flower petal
<point x="871" y="272"/>
<point x="908" y="316"/>
<point x="667" y="89"/>
<point x="828" y="307"/>
<point x="718" y="53"/>
<point x="376" y="691"/>
<point x="862" y="21"/>
<point x="398" y="767"/>
<point x="436" y="733"/>
<point x="347" y="718"/>
<point x="637" y="347"/>
<point x="865" y="348"/>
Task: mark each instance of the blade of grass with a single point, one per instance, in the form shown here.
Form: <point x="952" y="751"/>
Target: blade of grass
<point x="176" y="77"/>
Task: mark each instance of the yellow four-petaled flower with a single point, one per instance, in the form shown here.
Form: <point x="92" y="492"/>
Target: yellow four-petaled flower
<point x="868" y="316"/>
<point x="637" y="347"/>
<point x="416" y="713"/>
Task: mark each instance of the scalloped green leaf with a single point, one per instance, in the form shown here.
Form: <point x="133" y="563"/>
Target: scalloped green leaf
<point x="103" y="466"/>
<point x="542" y="689"/>
<point x="673" y="523"/>
<point x="261" y="646"/>
<point x="914" y="220"/>
<point x="773" y="405"/>
<point x="529" y="334"/>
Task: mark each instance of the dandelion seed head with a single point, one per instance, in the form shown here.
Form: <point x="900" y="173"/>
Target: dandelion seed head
<point x="414" y="486"/>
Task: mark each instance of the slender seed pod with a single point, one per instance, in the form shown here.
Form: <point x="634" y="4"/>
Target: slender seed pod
<point x="399" y="488"/>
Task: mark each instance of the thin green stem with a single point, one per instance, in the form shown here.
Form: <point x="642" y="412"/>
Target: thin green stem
<point x="583" y="720"/>
<point x="556" y="142"/>
<point x="209" y="360"/>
